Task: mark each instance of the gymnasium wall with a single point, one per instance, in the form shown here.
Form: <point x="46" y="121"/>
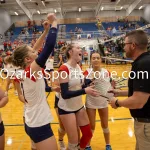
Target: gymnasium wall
<point x="78" y="15"/>
<point x="147" y="13"/>
<point x="5" y="21"/>
<point x="120" y="13"/>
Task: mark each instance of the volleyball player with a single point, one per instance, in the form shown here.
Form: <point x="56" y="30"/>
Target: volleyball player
<point x="37" y="112"/>
<point x="98" y="103"/>
<point x="3" y="102"/>
<point x="70" y="106"/>
<point x="61" y="129"/>
<point x="60" y="60"/>
<point x="50" y="66"/>
<point x="10" y="69"/>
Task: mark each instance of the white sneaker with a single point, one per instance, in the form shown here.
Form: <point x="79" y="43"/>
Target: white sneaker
<point x="62" y="145"/>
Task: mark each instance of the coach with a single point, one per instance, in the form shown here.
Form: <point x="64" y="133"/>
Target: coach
<point x="138" y="100"/>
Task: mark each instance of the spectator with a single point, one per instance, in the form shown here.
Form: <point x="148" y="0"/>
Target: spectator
<point x="5" y="45"/>
<point x="29" y="24"/>
<point x="76" y="29"/>
<point x="85" y="57"/>
<point x="99" y="24"/>
<point x="12" y="33"/>
<point x="9" y="45"/>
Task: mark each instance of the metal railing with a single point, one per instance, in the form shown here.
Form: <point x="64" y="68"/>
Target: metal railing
<point x="76" y="35"/>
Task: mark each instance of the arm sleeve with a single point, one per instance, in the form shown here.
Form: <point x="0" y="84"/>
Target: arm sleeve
<point x="66" y="94"/>
<point x="48" y="48"/>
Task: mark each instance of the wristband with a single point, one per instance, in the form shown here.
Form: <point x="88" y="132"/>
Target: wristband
<point x="116" y="103"/>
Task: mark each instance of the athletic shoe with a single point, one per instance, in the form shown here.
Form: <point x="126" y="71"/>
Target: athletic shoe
<point x="62" y="145"/>
<point x="108" y="147"/>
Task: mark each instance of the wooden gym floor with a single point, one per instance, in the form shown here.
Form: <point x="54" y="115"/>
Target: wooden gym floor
<point x="120" y="122"/>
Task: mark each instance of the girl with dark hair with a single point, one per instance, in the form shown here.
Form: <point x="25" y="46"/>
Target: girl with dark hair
<point x="99" y="103"/>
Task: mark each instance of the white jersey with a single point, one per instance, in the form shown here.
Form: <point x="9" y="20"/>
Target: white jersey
<point x="75" y="83"/>
<point x="49" y="64"/>
<point x="37" y="111"/>
<point x="102" y="83"/>
<point x="10" y="70"/>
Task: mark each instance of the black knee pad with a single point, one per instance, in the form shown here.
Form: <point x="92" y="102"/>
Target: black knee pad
<point x="1" y="128"/>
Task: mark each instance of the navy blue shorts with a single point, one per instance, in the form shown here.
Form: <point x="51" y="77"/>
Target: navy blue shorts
<point x="63" y="112"/>
<point x="38" y="134"/>
<point x="56" y="102"/>
<point x="2" y="129"/>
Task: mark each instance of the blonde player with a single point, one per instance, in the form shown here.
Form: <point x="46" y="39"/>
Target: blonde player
<point x="10" y="70"/>
<point x="70" y="107"/>
<point x="102" y="83"/>
<point x="37" y="112"/>
<point x="19" y="71"/>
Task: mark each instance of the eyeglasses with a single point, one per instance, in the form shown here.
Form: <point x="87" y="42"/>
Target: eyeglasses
<point x="126" y="43"/>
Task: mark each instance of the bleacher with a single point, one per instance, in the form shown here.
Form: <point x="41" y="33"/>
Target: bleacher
<point x="84" y="26"/>
<point x="121" y="24"/>
<point x="69" y="27"/>
<point x="87" y="28"/>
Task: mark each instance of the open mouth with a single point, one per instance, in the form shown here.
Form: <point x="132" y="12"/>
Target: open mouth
<point x="80" y="54"/>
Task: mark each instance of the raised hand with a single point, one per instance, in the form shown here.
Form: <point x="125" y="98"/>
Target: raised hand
<point x="46" y="25"/>
<point x="51" y="18"/>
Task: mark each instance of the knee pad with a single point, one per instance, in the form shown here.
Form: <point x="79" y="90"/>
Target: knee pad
<point x="2" y="129"/>
<point x="73" y="146"/>
<point x="62" y="131"/>
<point x="106" y="130"/>
<point x="86" y="135"/>
<point x="33" y="145"/>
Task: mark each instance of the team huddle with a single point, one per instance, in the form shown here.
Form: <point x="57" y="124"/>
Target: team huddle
<point x="69" y="88"/>
<point x="74" y="116"/>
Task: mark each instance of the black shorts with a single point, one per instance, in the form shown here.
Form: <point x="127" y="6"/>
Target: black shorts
<point x="38" y="134"/>
<point x="85" y="58"/>
<point x="63" y="112"/>
<point x="56" y="102"/>
<point x="2" y="129"/>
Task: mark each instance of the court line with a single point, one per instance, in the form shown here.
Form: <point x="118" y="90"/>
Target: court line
<point x="115" y="119"/>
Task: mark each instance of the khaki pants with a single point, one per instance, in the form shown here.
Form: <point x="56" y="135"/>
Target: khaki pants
<point x="142" y="134"/>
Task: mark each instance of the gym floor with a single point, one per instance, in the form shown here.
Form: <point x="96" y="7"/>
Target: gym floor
<point x="120" y="121"/>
